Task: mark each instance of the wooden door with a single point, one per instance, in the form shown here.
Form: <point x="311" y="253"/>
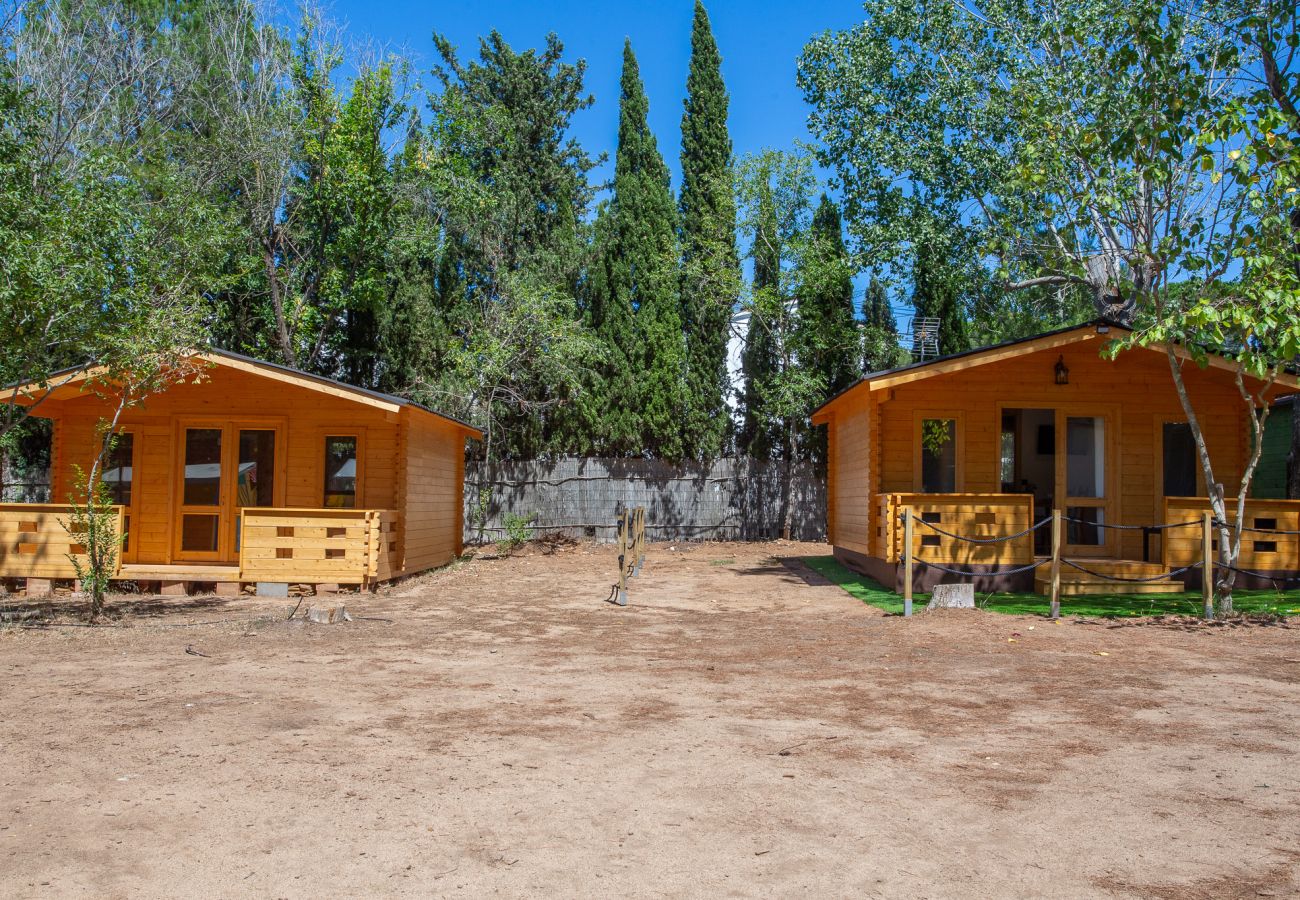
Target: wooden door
<point x="224" y="467"/>
<point x="1084" y="464"/>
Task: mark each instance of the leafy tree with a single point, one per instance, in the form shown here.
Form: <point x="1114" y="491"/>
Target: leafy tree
<point x="107" y="242"/>
<point x="774" y="193"/>
<point x="519" y="106"/>
<point x="505" y="117"/>
<point x="710" y="264"/>
<point x="1118" y="150"/>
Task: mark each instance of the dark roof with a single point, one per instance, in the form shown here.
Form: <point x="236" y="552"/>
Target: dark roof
<point x="871" y="376"/>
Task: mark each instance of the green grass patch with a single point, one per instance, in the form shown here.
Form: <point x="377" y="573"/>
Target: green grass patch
<point x="1187" y="603"/>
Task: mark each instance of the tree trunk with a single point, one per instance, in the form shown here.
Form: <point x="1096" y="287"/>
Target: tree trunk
<point x="787" y="478"/>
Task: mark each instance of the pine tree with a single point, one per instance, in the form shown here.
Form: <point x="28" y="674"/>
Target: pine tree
<point x="759" y="360"/>
<point x="935" y="294"/>
<point x="711" y="270"/>
<point x="634" y="305"/>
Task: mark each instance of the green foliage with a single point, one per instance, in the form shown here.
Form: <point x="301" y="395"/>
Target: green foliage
<point x="936" y="295"/>
<point x="871" y="592"/>
<point x="710" y="263"/>
<point x="937" y="434"/>
<point x="834" y="346"/>
<point x="769" y="323"/>
<point x="635" y="305"/>
<point x="93" y="525"/>
<point x="519" y="531"/>
<point x="880" y="347"/>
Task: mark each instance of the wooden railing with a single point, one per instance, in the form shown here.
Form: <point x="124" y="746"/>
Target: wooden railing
<point x="34" y="542"/>
<point x="969" y="515"/>
<point x="1260" y="552"/>
<point x="348" y="546"/>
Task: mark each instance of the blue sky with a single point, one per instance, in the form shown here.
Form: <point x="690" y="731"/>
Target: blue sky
<point x="759" y="40"/>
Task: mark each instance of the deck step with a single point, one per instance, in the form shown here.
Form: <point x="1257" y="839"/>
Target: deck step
<point x="1073" y="588"/>
<point x="199" y="572"/>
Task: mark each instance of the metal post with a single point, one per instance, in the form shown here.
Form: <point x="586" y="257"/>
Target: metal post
<point x="907" y="560"/>
<point x="1207" y="564"/>
<point x="1056" y="564"/>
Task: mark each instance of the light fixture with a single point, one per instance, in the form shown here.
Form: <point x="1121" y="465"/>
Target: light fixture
<point x="1062" y="373"/>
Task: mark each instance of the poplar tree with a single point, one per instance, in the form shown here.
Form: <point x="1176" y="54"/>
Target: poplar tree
<point x="711" y="269"/>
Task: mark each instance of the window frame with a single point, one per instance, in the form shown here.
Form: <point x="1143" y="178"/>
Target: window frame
<point x="919" y="418"/>
<point x="358" y="494"/>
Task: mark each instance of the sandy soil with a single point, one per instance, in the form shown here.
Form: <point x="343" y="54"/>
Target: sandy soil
<point x="738" y="730"/>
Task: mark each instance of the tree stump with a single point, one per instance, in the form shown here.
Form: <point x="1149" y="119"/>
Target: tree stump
<point x="332" y="615"/>
<point x="952" y="596"/>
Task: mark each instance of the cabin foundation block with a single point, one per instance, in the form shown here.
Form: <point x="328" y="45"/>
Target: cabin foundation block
<point x="273" y="589"/>
<point x="228" y="589"/>
<point x="173" y="588"/>
<point x="328" y="588"/>
<point x="38" y="587"/>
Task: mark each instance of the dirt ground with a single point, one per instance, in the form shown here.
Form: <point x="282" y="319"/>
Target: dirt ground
<point x="740" y="729"/>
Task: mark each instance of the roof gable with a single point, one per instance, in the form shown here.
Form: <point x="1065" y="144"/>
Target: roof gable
<point x="1097" y="330"/>
<point x="67" y="383"/>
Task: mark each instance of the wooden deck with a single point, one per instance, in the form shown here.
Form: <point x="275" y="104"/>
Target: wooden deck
<point x="284" y="546"/>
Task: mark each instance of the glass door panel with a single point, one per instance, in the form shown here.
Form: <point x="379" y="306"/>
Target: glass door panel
<point x="201" y="494"/>
<point x="1082" y="468"/>
<point x="255" y="478"/>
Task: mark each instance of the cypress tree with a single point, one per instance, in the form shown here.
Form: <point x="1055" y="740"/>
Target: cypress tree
<point x="935" y="294"/>
<point x="879" y="329"/>
<point x="711" y="269"/>
<point x="635" y="307"/>
<point x="758" y="360"/>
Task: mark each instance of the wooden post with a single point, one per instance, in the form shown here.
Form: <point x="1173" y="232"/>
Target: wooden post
<point x="1207" y="564"/>
<point x="907" y="561"/>
<point x="621" y="599"/>
<point x="1056" y="564"/>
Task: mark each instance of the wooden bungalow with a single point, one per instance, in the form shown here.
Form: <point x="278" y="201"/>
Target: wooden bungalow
<point x="987" y="443"/>
<point x="250" y="473"/>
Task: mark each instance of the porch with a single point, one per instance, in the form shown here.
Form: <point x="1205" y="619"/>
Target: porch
<point x="995" y="539"/>
<point x="275" y="546"/>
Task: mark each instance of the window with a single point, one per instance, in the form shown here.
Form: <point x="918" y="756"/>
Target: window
<point x="341" y="472"/>
<point x="1085" y="464"/>
<point x="119" y="477"/>
<point x="938" y="456"/>
<point x="1179" y="460"/>
<point x="256" y="475"/>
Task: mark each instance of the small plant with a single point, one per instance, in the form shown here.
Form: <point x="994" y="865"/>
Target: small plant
<point x="93" y="526"/>
<point x="519" y="531"/>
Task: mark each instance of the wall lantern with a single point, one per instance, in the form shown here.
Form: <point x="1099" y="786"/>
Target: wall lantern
<point x="1062" y="373"/>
